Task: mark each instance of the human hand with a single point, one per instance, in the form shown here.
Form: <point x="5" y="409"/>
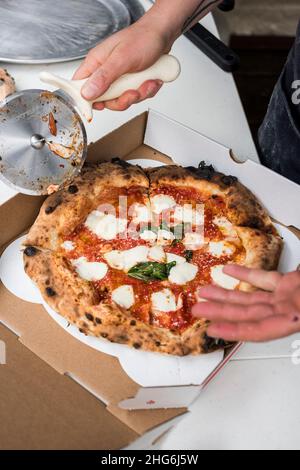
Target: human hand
<point x="272" y="313"/>
<point x="133" y="49"/>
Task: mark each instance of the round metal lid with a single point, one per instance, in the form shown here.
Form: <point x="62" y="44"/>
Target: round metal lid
<point x="43" y="142"/>
<point x="35" y="31"/>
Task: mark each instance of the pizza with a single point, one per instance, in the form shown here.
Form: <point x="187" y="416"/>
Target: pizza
<point x="122" y="251"/>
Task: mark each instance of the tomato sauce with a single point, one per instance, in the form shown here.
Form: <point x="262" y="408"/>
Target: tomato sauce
<point x="93" y="249"/>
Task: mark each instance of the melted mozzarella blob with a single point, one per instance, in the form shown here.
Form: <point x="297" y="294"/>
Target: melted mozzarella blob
<point x="183" y="273"/>
<point x="90" y="271"/>
<point x="156" y="253"/>
<point x="164" y="301"/>
<point x="186" y="214"/>
<point x="171" y="257"/>
<point x="148" y="236"/>
<point x="220" y="249"/>
<point x="125" y="260"/>
<point x="124" y="296"/>
<point x="222" y="279"/>
<point x="193" y="241"/>
<point x="161" y="203"/>
<point x="164" y="237"/>
<point x="140" y="213"/>
<point x="106" y="226"/>
<point x="225" y="226"/>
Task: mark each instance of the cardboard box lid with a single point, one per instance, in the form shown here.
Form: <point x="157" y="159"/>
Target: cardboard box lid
<point x="40" y="409"/>
<point x="98" y="373"/>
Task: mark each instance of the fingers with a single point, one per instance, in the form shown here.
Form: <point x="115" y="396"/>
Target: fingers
<point x="95" y="58"/>
<point x="268" y="329"/>
<point x="87" y="67"/>
<point x="231" y="312"/>
<point x="220" y="294"/>
<point x="114" y="67"/>
<point x="99" y="106"/>
<point x="128" y="98"/>
<point x="148" y="90"/>
<point x="258" y="278"/>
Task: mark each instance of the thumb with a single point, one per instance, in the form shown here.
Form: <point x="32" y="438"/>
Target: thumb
<point x="115" y="66"/>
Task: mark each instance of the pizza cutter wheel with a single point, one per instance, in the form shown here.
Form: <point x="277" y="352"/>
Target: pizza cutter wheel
<point x="43" y="141"/>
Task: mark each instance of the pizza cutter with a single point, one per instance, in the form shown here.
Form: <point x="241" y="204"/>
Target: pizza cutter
<point x="43" y="141"/>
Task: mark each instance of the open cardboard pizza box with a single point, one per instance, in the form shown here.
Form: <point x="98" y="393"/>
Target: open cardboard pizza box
<point x="96" y="394"/>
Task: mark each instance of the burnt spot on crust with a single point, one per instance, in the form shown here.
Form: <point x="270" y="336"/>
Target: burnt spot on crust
<point x="50" y="292"/>
<point x="53" y="205"/>
<point x="89" y="316"/>
<point x="104" y="335"/>
<point x="203" y="171"/>
<point x="98" y="321"/>
<point x="122" y="339"/>
<point x="211" y="344"/>
<point x="137" y="345"/>
<point x="185" y="350"/>
<point x="30" y="251"/>
<point x="121" y="163"/>
<point x="229" y="180"/>
<point x="133" y="323"/>
<point x="73" y="189"/>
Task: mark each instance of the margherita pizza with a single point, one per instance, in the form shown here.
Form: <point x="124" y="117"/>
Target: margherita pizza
<point x="122" y="252"/>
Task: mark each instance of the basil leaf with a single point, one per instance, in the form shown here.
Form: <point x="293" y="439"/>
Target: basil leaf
<point x="169" y="266"/>
<point x="151" y="271"/>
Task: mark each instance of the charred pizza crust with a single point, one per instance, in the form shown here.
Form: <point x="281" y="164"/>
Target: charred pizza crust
<point x="65" y="210"/>
<point x="79" y="302"/>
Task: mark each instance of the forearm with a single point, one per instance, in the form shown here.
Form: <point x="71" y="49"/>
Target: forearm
<point x="177" y="16"/>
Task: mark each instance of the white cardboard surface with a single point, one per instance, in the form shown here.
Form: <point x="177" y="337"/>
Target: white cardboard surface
<point x="13" y="276"/>
<point x="146" y="368"/>
<point x="187" y="147"/>
<point x="156" y="398"/>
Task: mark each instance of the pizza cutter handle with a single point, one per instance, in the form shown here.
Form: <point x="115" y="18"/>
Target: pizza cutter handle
<point x="167" y="69"/>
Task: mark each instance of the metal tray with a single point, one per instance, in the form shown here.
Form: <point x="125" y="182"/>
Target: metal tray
<point x="47" y="31"/>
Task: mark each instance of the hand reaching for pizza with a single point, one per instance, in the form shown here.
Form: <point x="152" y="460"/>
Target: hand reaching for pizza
<point x="132" y="50"/>
<point x="268" y="314"/>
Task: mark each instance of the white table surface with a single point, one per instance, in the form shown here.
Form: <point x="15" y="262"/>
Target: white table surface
<point x="203" y="98"/>
<point x="254" y="403"/>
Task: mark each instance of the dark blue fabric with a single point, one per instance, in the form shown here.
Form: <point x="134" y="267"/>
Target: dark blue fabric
<point x="279" y="135"/>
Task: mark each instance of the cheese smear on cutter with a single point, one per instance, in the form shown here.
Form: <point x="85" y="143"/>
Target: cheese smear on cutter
<point x="125" y="260"/>
<point x="165" y="301"/>
<point x="183" y="273"/>
<point x="106" y="226"/>
<point x="124" y="296"/>
<point x="161" y="203"/>
<point x="90" y="271"/>
<point x="222" y="279"/>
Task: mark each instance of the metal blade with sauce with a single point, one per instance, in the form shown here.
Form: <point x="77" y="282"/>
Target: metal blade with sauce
<point x="43" y="142"/>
